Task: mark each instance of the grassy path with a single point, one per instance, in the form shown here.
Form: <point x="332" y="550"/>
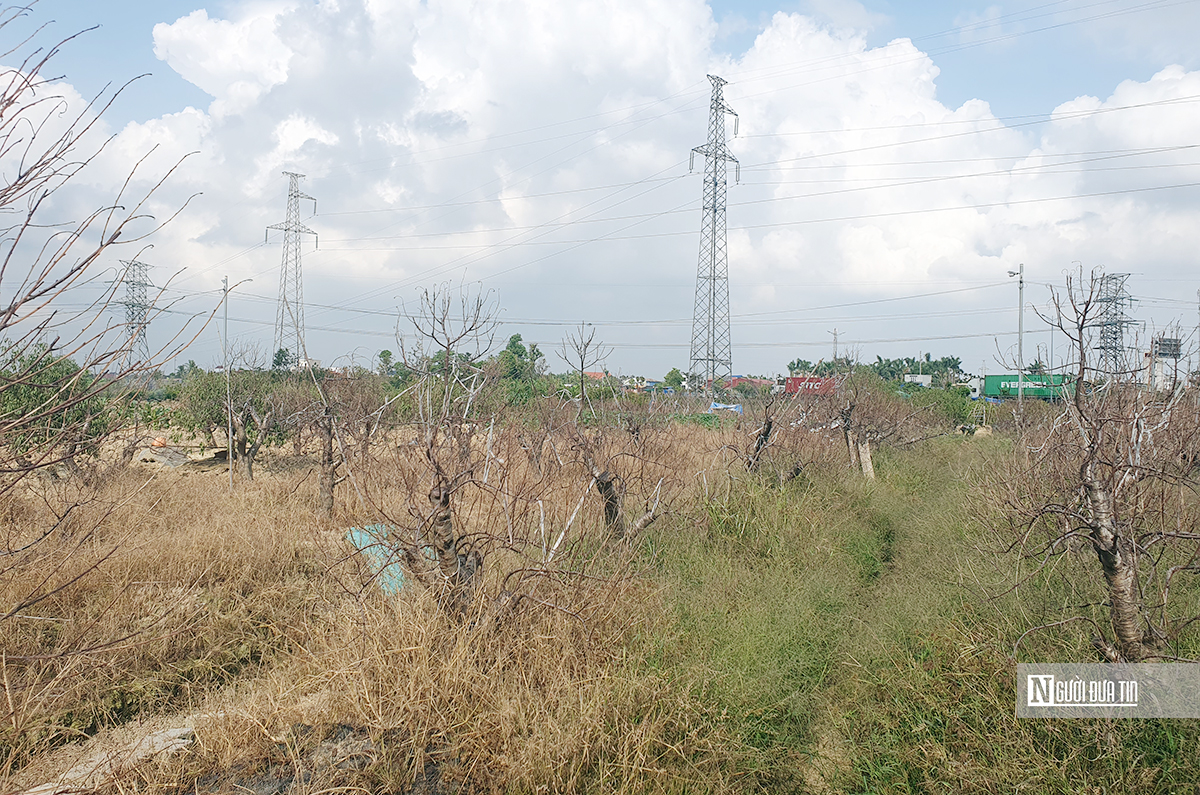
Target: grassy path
<point x="845" y="629"/>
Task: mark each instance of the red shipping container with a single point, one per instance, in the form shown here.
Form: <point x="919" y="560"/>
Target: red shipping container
<point x="810" y="385"/>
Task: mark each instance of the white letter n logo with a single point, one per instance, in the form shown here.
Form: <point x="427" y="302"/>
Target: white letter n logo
<point x="1040" y="690"/>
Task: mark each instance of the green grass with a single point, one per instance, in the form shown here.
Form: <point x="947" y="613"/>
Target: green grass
<point x="844" y="628"/>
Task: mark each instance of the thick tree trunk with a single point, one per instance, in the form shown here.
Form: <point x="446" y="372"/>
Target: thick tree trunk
<point x="1118" y="559"/>
<point x="240" y="441"/>
<point x="459" y="561"/>
<point x="606" y="485"/>
<point x="864" y="458"/>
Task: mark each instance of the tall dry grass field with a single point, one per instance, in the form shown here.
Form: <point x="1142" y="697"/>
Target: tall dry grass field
<point x="782" y="625"/>
<point x="163" y="593"/>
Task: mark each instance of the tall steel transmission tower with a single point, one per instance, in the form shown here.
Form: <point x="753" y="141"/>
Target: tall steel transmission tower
<point x="1113" y="299"/>
<point x="137" y="309"/>
<point x="289" y="319"/>
<point x="711" y="357"/>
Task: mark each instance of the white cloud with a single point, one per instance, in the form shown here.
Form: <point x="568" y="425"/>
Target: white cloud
<point x="543" y="146"/>
<point x="234" y="61"/>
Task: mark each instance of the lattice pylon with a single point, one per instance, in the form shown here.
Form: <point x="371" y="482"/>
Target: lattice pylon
<point x="1113" y="299"/>
<point x="711" y="349"/>
<point x="137" y="310"/>
<point x="289" y="317"/>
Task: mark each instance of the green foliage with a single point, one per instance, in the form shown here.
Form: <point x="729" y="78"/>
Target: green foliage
<point x="202" y="397"/>
<point x="386" y="362"/>
<point x="154" y="415"/>
<point x="945" y="371"/>
<point x="283" y="360"/>
<point x="952" y="403"/>
<point x="47" y="400"/>
<point x="842" y="364"/>
<point x="673" y="379"/>
<point x="520" y="372"/>
<point x="184" y="370"/>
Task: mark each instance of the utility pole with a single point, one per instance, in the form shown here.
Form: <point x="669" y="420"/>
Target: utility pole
<point x="137" y="309"/>
<point x="711" y="355"/>
<point x="289" y="318"/>
<point x="835" y="341"/>
<point x="228" y="386"/>
<point x="1051" y="353"/>
<point x="228" y="378"/>
<point x="1020" y="274"/>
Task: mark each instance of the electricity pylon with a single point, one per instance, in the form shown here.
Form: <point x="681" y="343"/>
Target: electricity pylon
<point x="137" y="309"/>
<point x="711" y="357"/>
<point x="289" y="319"/>
<point x="1113" y="299"/>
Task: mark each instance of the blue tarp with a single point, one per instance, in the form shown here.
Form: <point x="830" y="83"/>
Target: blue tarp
<point x="381" y="557"/>
<point x="726" y="407"/>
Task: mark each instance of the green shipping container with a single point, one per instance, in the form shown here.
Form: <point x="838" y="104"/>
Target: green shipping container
<point x="1036" y="386"/>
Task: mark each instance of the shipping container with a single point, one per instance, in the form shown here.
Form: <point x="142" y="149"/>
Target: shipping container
<point x="810" y="385"/>
<point x="1051" y="386"/>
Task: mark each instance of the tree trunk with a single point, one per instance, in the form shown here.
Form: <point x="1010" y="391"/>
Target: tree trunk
<point x="325" y="484"/>
<point x="852" y="446"/>
<point x="240" y="443"/>
<point x="1118" y="559"/>
<point x="760" y="444"/>
<point x="851" y="437"/>
<point x="864" y="458"/>
<point x="605" y="484"/>
<point x="459" y="561"/>
<point x="365" y="443"/>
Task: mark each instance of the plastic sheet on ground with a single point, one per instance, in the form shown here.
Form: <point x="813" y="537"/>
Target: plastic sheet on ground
<point x="381" y="557"/>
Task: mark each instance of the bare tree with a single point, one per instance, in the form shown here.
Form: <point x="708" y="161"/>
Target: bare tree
<point x="454" y="331"/>
<point x="1111" y="478"/>
<point x="66" y="374"/>
<point x="581" y="351"/>
<point x="55" y="362"/>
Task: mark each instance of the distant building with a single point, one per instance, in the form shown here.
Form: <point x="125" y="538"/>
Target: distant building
<point x="914" y="378"/>
<point x="742" y="380"/>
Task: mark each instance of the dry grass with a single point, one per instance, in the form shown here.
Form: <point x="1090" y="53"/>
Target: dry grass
<point x="178" y="597"/>
<point x="819" y="633"/>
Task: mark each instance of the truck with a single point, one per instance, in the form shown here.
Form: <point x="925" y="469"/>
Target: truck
<point x="1050" y="386"/>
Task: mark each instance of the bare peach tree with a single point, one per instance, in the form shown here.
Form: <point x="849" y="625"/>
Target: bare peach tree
<point x="580" y="350"/>
<point x="55" y="361"/>
<point x="453" y="330"/>
<point x="65" y="371"/>
<point x="1105" y="495"/>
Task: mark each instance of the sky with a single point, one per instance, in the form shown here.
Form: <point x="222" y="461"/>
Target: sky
<point x="896" y="161"/>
